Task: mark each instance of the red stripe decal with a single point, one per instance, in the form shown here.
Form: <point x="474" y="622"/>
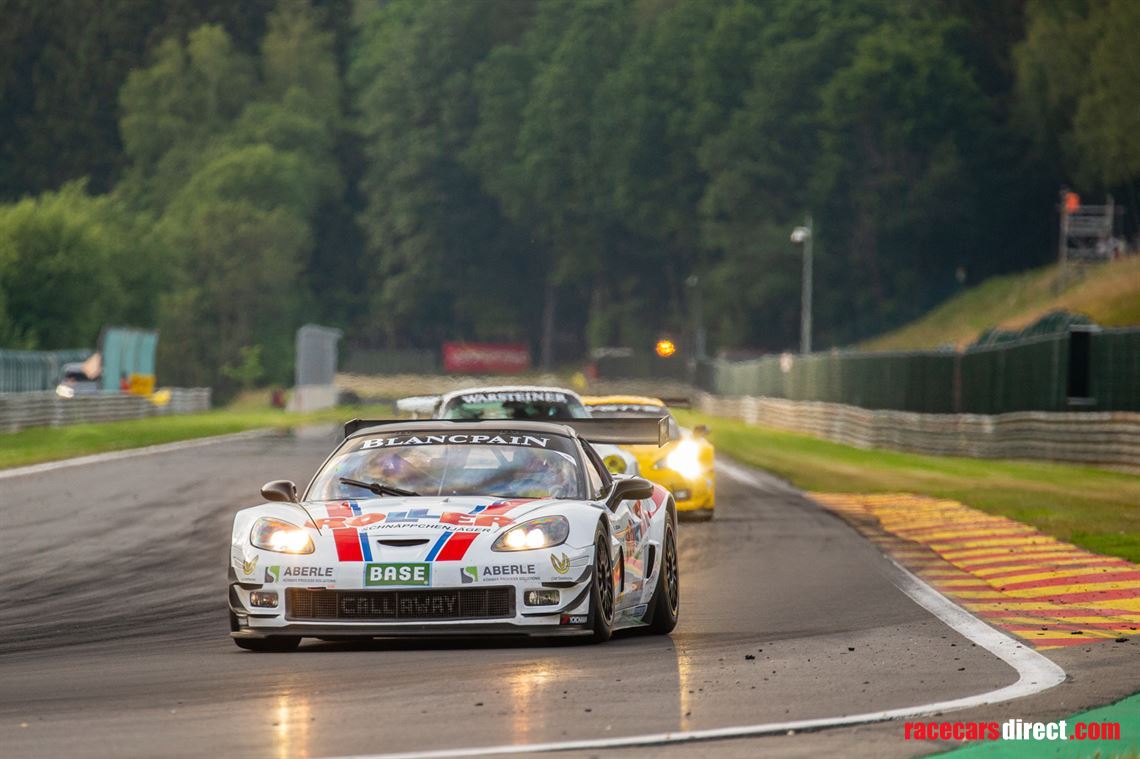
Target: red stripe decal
<point x="455" y="548"/>
<point x="347" y="544"/>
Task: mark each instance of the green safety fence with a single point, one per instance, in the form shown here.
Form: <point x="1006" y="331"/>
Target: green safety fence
<point x="1084" y="369"/>
<point x="35" y="371"/>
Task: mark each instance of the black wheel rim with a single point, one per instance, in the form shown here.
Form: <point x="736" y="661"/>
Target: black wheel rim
<point x="672" y="586"/>
<point x="605" y="581"/>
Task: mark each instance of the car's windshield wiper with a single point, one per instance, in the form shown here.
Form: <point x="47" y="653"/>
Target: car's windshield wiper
<point x="379" y="488"/>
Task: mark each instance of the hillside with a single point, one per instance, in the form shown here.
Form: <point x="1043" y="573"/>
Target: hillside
<point x="1108" y="293"/>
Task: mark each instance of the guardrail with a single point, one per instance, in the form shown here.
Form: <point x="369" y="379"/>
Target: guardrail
<point x="46" y="409"/>
<point x="1102" y="438"/>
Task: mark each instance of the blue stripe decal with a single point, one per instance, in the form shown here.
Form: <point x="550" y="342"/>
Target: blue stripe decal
<point x="476" y="510"/>
<point x="365" y="549"/>
<point x="438" y="545"/>
<point x="355" y="508"/>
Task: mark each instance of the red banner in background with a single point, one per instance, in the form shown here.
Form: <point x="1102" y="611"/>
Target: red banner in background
<point x="486" y="358"/>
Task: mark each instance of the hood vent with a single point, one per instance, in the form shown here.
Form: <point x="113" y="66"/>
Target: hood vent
<point x="402" y="542"/>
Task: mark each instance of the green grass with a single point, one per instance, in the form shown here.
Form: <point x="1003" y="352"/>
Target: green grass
<point x="39" y="444"/>
<point x="1108" y="293"/>
<point x="1094" y="508"/>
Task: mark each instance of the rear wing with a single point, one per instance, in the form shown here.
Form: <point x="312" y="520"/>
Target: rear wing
<point x="627" y="431"/>
<point x="633" y="431"/>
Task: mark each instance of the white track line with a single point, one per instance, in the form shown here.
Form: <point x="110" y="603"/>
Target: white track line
<point x="129" y="453"/>
<point x="1035" y="673"/>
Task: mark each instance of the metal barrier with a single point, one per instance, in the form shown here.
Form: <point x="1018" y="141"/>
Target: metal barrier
<point x="32" y="371"/>
<point x="21" y="410"/>
<point x="1084" y="369"/>
<point x="1104" y="438"/>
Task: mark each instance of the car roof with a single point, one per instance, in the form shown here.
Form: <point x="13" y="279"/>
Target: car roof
<point x="509" y="389"/>
<point x="642" y="400"/>
<point x="496" y="425"/>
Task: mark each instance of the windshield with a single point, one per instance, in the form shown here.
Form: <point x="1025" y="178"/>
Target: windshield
<point x="502" y="464"/>
<point x="515" y="404"/>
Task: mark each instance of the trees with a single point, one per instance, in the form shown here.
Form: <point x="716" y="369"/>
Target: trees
<point x="553" y="172"/>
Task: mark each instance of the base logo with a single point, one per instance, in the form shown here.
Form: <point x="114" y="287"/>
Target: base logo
<point x="379" y="575"/>
<point x="469" y="575"/>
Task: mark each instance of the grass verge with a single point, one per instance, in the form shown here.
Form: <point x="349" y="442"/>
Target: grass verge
<point x="1108" y="293"/>
<point x="38" y="444"/>
<point x="1094" y="508"/>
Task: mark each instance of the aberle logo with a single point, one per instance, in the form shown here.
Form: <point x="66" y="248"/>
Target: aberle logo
<point x="529" y="441"/>
<point x="278" y="573"/>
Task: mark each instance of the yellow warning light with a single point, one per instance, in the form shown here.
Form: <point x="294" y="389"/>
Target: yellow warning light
<point x="665" y="348"/>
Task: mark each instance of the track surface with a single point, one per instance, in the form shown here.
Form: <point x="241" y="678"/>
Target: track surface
<point x="114" y="639"/>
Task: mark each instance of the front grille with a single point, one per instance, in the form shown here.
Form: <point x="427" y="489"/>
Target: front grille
<point x="399" y="605"/>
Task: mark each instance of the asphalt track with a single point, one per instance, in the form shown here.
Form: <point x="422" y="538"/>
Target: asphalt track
<point x="114" y="636"/>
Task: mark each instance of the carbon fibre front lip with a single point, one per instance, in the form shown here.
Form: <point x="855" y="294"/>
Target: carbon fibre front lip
<point x="411" y="629"/>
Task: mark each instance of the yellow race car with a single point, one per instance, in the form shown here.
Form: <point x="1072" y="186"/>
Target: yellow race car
<point x="684" y="466"/>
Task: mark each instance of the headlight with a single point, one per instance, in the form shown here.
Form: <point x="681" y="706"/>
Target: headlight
<point x="543" y="532"/>
<point x="278" y="535"/>
<point x="685" y="459"/>
<point x="615" y="463"/>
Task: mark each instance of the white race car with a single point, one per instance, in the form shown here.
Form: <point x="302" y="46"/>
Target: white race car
<point x="459" y="527"/>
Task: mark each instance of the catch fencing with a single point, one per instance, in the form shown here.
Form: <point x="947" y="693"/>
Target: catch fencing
<point x="1080" y="370"/>
<point x="46" y="409"/>
<point x="32" y="371"/>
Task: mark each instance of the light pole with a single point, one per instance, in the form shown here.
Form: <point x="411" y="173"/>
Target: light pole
<point x="802" y="236"/>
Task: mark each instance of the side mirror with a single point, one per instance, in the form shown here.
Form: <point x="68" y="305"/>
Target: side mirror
<point x="700" y="431"/>
<point x="632" y="489"/>
<point x="279" y="490"/>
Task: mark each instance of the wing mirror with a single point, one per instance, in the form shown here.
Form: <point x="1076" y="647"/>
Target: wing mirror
<point x="631" y="489"/>
<point x="279" y="490"/>
<point x="701" y="430"/>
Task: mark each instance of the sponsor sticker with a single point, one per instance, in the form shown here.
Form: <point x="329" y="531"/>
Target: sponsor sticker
<point x="529" y="441"/>
<point x="301" y="574"/>
<point x="561" y="563"/>
<point x="380" y="575"/>
<point x="573" y="619"/>
<point x="249" y="566"/>
<point x="469" y="575"/>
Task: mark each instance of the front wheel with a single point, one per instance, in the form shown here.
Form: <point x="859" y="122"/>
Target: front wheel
<point x="602" y="588"/>
<point x="667" y="595"/>
<point x="276" y="644"/>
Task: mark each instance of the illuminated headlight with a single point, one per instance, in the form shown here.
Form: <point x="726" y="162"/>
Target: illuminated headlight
<point x="543" y="532"/>
<point x="616" y="464"/>
<point x="280" y="536"/>
<point x="685" y="459"/>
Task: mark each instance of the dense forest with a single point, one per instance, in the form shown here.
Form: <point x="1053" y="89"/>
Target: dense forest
<point x="569" y="173"/>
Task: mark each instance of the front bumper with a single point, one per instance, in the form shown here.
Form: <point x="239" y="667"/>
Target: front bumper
<point x="689" y="494"/>
<point x="471" y="609"/>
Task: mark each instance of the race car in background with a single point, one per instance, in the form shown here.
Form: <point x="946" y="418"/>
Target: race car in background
<point x="458" y="527"/>
<point x="515" y="402"/>
<point x="685" y="466"/>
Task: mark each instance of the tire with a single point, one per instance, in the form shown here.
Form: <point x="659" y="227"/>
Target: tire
<point x="666" y="603"/>
<point x="276" y="644"/>
<point x="602" y="588"/>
